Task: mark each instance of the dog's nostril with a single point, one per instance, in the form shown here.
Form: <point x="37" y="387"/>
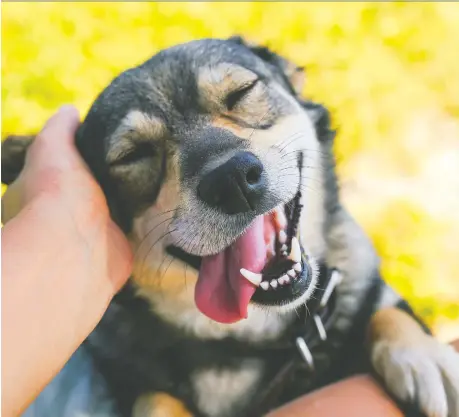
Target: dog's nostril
<point x="253" y="176"/>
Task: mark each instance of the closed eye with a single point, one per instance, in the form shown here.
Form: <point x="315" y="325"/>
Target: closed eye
<point x="135" y="154"/>
<point x="233" y="98"/>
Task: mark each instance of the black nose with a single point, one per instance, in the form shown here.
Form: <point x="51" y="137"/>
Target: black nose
<point x="237" y="186"/>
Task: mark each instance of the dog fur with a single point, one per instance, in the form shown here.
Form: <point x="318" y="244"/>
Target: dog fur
<point x="148" y="139"/>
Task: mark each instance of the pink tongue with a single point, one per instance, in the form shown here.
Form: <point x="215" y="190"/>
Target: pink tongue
<point x="222" y="293"/>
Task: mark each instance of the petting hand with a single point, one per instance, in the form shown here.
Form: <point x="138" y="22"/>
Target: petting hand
<point x="63" y="261"/>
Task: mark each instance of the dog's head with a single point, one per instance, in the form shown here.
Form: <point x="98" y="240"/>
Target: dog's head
<point x="214" y="168"/>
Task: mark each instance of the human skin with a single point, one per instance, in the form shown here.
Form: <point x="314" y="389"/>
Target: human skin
<point x="63" y="259"/>
<point x="359" y="396"/>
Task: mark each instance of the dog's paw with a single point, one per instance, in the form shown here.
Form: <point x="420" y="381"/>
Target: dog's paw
<point x="425" y="374"/>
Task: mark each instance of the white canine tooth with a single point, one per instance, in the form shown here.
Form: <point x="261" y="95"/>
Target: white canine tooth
<point x="274" y="283"/>
<point x="286" y="279"/>
<point x="295" y="253"/>
<point x="282" y="237"/>
<point x="297" y="267"/>
<point x="292" y="273"/>
<point x="279" y="218"/>
<point x="252" y="277"/>
<point x="280" y="281"/>
<point x="284" y="248"/>
<point x="264" y="285"/>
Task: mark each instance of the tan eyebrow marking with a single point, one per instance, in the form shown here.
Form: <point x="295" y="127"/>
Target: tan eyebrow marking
<point x="135" y="127"/>
<point x="227" y="124"/>
<point x="215" y="82"/>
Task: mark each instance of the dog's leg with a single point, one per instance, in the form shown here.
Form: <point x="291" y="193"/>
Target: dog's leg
<point x="159" y="405"/>
<point x="416" y="368"/>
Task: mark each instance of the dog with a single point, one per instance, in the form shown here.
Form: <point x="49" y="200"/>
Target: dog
<point x="252" y="284"/>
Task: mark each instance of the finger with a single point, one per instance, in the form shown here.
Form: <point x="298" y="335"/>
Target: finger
<point x="56" y="138"/>
<point x="61" y="127"/>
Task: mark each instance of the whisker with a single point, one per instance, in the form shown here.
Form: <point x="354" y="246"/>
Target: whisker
<point x="167" y="268"/>
<point x="257" y="124"/>
<point x="185" y="271"/>
<point x="316" y="180"/>
<point x="275" y="146"/>
<point x="307" y="153"/>
<point x="296" y="136"/>
<point x="143" y="263"/>
<point x="152" y="230"/>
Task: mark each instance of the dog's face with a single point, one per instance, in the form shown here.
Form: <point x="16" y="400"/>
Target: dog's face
<point x="213" y="168"/>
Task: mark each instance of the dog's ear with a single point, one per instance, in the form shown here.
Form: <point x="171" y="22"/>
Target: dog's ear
<point x="321" y="118"/>
<point x="293" y="75"/>
<point x="14" y="149"/>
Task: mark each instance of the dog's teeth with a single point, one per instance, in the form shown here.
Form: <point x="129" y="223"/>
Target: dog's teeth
<point x="284" y="279"/>
<point x="264" y="285"/>
<point x="283" y="237"/>
<point x="273" y="283"/>
<point x="291" y="273"/>
<point x="295" y="253"/>
<point x="280" y="220"/>
<point x="254" y="278"/>
<point x="297" y="267"/>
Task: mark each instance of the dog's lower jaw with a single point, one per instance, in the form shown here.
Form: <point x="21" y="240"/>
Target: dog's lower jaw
<point x="177" y="308"/>
<point x="416" y="368"/>
<point x="293" y="306"/>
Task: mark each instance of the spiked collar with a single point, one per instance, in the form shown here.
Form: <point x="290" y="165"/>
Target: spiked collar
<point x="306" y="342"/>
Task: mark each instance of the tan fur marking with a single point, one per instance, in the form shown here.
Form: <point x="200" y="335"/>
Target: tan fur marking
<point x="230" y="125"/>
<point x="298" y="79"/>
<point x="135" y="127"/>
<point x="395" y="326"/>
<point x="160" y="405"/>
<point x="217" y="81"/>
<point x="144" y="124"/>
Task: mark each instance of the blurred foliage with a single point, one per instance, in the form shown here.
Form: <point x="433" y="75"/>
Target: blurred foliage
<point x="375" y="65"/>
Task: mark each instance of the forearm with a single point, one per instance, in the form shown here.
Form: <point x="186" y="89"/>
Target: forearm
<point x="359" y="396"/>
<point x="43" y="300"/>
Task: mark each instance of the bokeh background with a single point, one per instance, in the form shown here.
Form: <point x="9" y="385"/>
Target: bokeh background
<point x="389" y="72"/>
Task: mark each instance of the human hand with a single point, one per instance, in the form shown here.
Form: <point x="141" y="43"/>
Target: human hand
<point x="63" y="259"/>
<point x="54" y="172"/>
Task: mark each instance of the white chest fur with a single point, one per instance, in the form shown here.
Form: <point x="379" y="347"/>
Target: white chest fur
<point x="219" y="391"/>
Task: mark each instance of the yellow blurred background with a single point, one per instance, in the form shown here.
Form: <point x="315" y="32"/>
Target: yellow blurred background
<point x="389" y="72"/>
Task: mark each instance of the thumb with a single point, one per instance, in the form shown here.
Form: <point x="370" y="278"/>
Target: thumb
<point x="54" y="146"/>
<point x="61" y="127"/>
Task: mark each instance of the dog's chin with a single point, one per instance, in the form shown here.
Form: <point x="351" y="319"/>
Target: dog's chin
<point x="288" y="276"/>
